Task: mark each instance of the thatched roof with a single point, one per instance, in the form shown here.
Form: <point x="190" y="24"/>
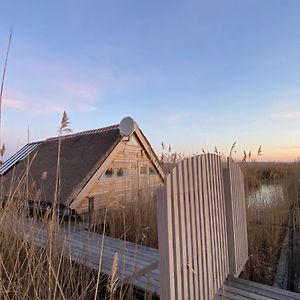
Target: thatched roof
<point x="81" y="155"/>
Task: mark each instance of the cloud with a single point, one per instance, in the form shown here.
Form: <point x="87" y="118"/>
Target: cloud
<point x="287" y="109"/>
<point x="287" y="114"/>
<point x="175" y="117"/>
<point x="62" y="95"/>
<point x="294" y="147"/>
<point x="80" y="89"/>
<point x="52" y="86"/>
<point x="22" y="101"/>
<point x="86" y="107"/>
<point x="13" y="103"/>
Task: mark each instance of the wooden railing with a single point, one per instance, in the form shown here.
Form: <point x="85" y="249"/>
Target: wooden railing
<point x="235" y="216"/>
<point x="192" y="228"/>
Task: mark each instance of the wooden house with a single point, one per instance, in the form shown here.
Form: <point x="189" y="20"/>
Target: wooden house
<point x="114" y="163"/>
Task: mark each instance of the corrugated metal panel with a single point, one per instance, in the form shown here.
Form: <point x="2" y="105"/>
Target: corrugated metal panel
<point x="20" y="155"/>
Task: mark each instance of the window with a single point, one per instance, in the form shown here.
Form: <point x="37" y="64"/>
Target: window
<point x="122" y="172"/>
<point x="152" y="171"/>
<point x="143" y="170"/>
<point x="109" y="173"/>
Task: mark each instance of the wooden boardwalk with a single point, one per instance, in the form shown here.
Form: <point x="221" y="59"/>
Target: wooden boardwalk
<point x="236" y="288"/>
<point x="137" y="265"/>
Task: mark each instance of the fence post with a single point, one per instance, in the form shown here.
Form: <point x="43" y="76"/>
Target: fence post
<point x="165" y="240"/>
<point x="235" y="217"/>
<point x="229" y="220"/>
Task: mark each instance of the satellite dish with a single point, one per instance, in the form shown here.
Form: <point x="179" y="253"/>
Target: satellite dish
<point x="126" y="126"/>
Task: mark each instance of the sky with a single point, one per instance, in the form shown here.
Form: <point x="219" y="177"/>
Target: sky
<point x="193" y="74"/>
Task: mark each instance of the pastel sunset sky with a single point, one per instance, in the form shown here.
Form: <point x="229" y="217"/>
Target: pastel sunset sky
<point x="194" y="74"/>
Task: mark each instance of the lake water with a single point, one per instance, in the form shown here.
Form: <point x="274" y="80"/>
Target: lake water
<point x="266" y="194"/>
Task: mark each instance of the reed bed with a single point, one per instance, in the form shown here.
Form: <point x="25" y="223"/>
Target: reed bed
<point x="28" y="271"/>
<point x="267" y="221"/>
<point x="133" y="221"/>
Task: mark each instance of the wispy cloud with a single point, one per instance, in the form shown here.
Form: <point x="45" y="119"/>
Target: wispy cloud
<point x="76" y="88"/>
<point x="287" y="114"/>
<point x="22" y="101"/>
<point x="80" y="89"/>
<point x="288" y="108"/>
<point x="294" y="147"/>
<point x="13" y="104"/>
<point x="175" y="117"/>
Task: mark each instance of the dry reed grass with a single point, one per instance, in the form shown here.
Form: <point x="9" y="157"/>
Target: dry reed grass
<point x="28" y="272"/>
<point x="31" y="272"/>
<point x="134" y="221"/>
<point x="267" y="220"/>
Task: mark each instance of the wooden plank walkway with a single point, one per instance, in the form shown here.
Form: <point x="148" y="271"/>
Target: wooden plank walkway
<point x="283" y="274"/>
<point x="236" y="288"/>
<point x="137" y="264"/>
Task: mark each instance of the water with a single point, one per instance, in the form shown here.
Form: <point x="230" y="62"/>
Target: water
<point x="266" y="194"/>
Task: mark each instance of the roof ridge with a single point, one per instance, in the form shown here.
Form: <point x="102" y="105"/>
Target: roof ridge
<point x="85" y="132"/>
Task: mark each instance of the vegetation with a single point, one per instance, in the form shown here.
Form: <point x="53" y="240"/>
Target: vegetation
<point x="267" y="221"/>
<point x="28" y="272"/>
<point x="130" y="221"/>
<point x="257" y="173"/>
<point x="31" y="272"/>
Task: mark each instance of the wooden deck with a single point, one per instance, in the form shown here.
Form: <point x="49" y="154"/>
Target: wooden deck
<point x="137" y="265"/>
<point x="236" y="288"/>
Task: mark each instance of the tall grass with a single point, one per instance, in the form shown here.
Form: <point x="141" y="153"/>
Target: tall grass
<point x="30" y="272"/>
<point x="267" y="221"/>
<point x="134" y="221"/>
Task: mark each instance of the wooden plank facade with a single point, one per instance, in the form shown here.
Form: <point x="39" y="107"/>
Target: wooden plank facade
<point x="129" y="174"/>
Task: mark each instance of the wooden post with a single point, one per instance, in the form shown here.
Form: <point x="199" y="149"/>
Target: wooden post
<point x="230" y="221"/>
<point x="165" y="241"/>
<point x="91" y="212"/>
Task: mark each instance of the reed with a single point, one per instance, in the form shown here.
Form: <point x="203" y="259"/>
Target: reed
<point x="134" y="221"/>
<point x="48" y="272"/>
<point x="267" y="220"/>
<point x="28" y="272"/>
<point x="31" y="272"/>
